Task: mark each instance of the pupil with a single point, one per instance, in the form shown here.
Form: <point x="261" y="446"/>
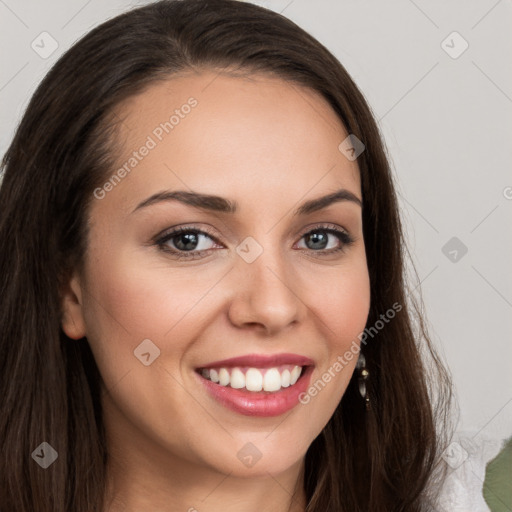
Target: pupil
<point x="190" y="238"/>
<point x="318" y="239"/>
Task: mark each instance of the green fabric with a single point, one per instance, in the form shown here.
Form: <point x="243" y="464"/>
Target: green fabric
<point x="497" y="488"/>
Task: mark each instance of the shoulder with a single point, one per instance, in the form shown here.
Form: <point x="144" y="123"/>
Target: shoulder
<point x="466" y="458"/>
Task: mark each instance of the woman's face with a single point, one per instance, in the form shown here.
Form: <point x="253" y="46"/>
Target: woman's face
<point x="264" y="280"/>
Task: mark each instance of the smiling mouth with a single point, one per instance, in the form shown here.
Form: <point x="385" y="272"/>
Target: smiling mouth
<point x="254" y="379"/>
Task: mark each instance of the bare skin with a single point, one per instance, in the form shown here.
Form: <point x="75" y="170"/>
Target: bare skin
<point x="270" y="146"/>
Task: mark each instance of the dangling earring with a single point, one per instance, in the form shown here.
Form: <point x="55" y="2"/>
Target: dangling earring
<point x="363" y="376"/>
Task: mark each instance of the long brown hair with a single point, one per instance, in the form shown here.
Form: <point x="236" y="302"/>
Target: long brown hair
<point x="386" y="458"/>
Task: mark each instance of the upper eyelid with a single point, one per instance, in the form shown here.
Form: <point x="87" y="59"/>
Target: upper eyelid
<point x="187" y="228"/>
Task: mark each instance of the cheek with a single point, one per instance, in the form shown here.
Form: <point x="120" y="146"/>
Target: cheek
<point x="132" y="298"/>
<point x="342" y="305"/>
<point x="123" y="305"/>
<point x="141" y="300"/>
<point x="346" y="314"/>
<point x="342" y="302"/>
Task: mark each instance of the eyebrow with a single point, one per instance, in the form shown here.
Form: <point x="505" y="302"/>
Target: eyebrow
<point x="222" y="205"/>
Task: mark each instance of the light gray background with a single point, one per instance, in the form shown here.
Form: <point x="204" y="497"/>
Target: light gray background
<point x="448" y="126"/>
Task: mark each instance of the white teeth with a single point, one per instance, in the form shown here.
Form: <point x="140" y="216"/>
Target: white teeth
<point x="295" y="374"/>
<point x="237" y="379"/>
<point x="254" y="379"/>
<point x="214" y="376"/>
<point x="272" y="380"/>
<point x="285" y="378"/>
<point x="223" y="377"/>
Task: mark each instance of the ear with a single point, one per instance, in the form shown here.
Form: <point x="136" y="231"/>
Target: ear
<point x="72" y="320"/>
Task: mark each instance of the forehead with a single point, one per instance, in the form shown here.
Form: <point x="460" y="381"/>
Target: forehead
<point x="235" y="136"/>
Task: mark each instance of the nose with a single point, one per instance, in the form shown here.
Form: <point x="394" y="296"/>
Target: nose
<point x="266" y="294"/>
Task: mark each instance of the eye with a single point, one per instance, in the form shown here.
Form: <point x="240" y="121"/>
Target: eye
<point x="186" y="240"/>
<point x="320" y="237"/>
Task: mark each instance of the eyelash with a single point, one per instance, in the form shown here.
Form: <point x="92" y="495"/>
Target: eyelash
<point x="161" y="242"/>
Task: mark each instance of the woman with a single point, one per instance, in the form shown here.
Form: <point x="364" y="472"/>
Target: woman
<point x="203" y="301"/>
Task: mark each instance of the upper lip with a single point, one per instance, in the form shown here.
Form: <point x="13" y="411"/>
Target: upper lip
<point x="261" y="361"/>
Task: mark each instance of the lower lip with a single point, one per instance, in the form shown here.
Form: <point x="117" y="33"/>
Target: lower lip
<point x="261" y="403"/>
